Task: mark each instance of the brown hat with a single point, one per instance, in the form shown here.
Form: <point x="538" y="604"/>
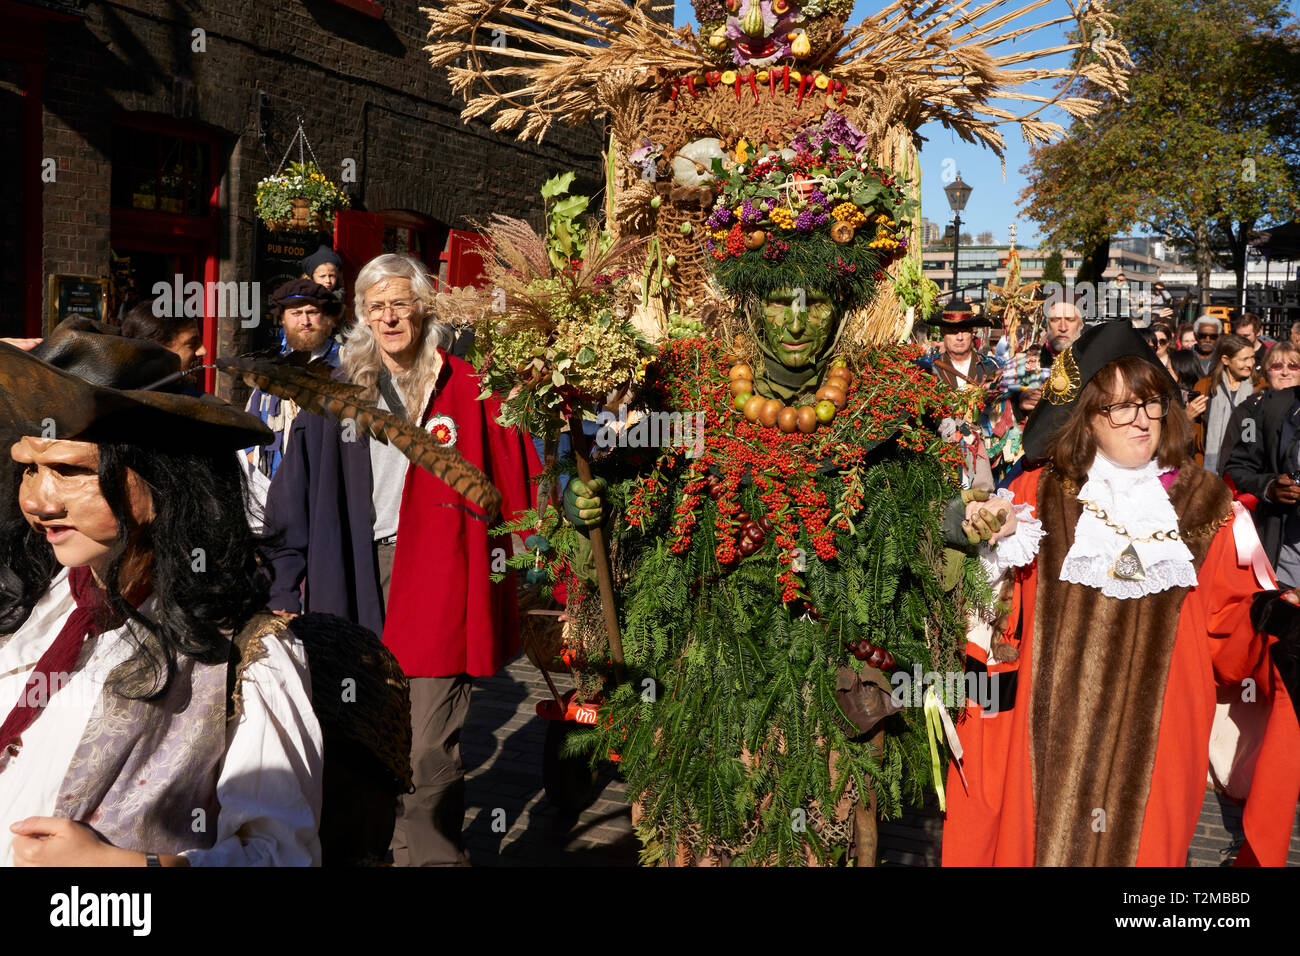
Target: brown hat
<point x="958" y="317"/>
<point x="86" y="382"/>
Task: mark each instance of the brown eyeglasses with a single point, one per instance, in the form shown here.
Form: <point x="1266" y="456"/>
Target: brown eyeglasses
<point x="1289" y="366"/>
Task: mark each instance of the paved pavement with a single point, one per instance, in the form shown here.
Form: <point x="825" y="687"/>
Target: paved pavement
<point x="509" y="821"/>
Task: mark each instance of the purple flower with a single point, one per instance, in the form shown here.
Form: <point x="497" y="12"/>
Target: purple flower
<point x="805" y="221"/>
<point x="818" y="198"/>
<point x="749" y="214"/>
<point x="720" y="217"/>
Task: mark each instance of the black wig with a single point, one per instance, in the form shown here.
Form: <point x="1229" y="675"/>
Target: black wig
<point x="207" y="572"/>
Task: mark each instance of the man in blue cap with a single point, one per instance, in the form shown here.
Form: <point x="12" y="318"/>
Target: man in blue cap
<point x="308" y="314"/>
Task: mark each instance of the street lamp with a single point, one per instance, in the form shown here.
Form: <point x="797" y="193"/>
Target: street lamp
<point x="958" y="192"/>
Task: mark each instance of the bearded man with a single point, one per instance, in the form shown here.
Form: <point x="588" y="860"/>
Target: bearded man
<point x="307" y="313"/>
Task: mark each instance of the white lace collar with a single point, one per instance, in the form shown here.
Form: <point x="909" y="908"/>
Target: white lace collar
<point x="1134" y="499"/>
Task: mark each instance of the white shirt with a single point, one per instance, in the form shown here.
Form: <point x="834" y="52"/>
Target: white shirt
<point x="388" y="478"/>
<point x="269" y="787"/>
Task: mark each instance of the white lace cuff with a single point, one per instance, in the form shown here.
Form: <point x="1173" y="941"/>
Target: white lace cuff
<point x="1018" y="550"/>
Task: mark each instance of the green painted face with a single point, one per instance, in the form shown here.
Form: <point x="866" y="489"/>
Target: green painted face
<point x="797" y="325"/>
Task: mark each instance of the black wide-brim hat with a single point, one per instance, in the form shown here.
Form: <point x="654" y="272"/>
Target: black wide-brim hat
<point x="1074" y="368"/>
<point x="959" y="318"/>
<point x="86" y="382"/>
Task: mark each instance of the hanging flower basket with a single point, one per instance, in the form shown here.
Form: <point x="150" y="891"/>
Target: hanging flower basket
<point x="300" y="198"/>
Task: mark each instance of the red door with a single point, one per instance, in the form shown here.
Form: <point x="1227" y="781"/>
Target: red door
<point x="358" y="238"/>
<point x="464" y="258"/>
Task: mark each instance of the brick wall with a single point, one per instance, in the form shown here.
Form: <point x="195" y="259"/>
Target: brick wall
<point x="364" y="90"/>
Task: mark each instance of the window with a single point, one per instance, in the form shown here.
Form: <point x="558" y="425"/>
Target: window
<point x="405" y="241"/>
<point x="159" y="172"/>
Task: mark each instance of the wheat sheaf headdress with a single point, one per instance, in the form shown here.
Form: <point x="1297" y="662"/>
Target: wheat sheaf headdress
<point x="526" y="63"/>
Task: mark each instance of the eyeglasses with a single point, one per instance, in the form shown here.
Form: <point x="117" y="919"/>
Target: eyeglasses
<point x="1126" y="413"/>
<point x="1289" y="366"/>
<point x="402" y="310"/>
<point x="1207" y="335"/>
<point x="1161" y="340"/>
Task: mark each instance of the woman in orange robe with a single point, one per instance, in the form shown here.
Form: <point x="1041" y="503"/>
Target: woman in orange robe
<point x="1129" y="623"/>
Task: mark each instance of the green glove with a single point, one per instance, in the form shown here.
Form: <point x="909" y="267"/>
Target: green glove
<point x="584" y="504"/>
<point x="964" y="535"/>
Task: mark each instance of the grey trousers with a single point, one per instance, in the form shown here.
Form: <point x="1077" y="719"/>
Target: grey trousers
<point x="429" y="824"/>
<point x="430" y="821"/>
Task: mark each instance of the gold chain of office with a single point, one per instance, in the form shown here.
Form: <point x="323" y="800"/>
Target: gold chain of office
<point x="1204" y="531"/>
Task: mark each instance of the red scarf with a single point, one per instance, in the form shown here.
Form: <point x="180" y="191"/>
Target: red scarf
<point x="91" y="616"/>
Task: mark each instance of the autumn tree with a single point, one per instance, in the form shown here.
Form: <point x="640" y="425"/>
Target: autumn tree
<point x="1054" y="268"/>
<point x="1204" y="149"/>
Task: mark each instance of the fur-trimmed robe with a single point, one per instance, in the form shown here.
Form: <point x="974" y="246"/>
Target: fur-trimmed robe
<point x="1103" y="758"/>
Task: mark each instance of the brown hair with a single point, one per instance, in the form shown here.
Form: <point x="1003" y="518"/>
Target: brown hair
<point x="1073" y="448"/>
<point x="1249" y="319"/>
<point x="1228" y="346"/>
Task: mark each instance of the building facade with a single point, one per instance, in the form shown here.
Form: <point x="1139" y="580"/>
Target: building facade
<point x="982" y="266"/>
<point x="137" y="132"/>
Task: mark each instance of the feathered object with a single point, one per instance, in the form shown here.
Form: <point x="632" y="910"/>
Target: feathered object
<point x="310" y="386"/>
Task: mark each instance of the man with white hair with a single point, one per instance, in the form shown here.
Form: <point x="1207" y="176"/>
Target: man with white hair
<point x="398" y="551"/>
<point x="1064" y="325"/>
<point x="1208" y="329"/>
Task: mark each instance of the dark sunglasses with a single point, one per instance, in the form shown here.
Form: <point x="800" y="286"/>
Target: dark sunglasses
<point x="1207" y="335"/>
<point x="1161" y="340"/>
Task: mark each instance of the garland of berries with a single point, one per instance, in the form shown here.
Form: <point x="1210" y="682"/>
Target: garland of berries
<point x="890" y="396"/>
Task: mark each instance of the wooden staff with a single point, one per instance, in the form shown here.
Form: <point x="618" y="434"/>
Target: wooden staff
<point x="599" y="552"/>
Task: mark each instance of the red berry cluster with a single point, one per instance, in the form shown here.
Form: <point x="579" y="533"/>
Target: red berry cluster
<point x="775" y="250"/>
<point x="736" y="240"/>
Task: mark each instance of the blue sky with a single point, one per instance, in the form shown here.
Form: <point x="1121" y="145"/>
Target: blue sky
<point x="992" y="204"/>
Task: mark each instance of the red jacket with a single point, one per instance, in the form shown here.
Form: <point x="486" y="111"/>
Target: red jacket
<point x="991" y="821"/>
<point x="445" y="616"/>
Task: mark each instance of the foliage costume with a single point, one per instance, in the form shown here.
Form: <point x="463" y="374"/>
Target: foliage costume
<point x="759" y="178"/>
